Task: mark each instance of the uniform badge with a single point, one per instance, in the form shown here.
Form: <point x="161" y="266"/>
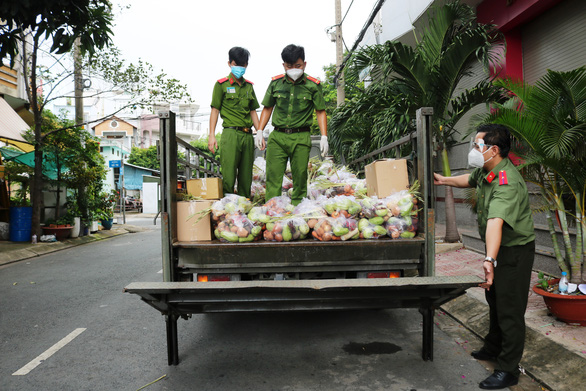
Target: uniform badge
<point x="490" y="177"/>
<point x="503" y="178"/>
<point x="231" y="90"/>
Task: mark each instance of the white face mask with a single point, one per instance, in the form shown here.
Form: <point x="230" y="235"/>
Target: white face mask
<point x="294" y="73"/>
<point x="476" y="158"/>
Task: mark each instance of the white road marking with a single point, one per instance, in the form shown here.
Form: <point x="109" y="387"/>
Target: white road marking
<point x="48" y="353"/>
<point x="160" y="271"/>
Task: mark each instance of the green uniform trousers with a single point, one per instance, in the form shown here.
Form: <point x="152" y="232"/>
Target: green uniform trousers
<point x="507" y="301"/>
<point x="236" y="160"/>
<point x="280" y="148"/>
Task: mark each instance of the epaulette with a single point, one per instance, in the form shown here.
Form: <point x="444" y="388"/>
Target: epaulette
<point x="313" y="79"/>
<point x="223" y="80"/>
<point x="278" y="77"/>
<point x="248" y="81"/>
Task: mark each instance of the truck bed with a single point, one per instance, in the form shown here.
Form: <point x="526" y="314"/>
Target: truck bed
<point x="302" y="255"/>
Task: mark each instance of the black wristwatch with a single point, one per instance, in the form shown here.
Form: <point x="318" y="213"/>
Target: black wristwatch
<point x="491" y="260"/>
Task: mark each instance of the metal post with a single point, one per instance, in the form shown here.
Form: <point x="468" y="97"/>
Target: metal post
<point x="427" y="349"/>
<point x="168" y="159"/>
<point x="172" y="342"/>
<point x="122" y="188"/>
<point x="425" y="175"/>
<point x="341" y="95"/>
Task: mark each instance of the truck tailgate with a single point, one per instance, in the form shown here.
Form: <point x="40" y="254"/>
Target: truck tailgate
<point x="175" y="299"/>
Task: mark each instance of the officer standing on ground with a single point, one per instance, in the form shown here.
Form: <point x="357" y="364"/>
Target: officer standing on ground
<point x="293" y="96"/>
<point x="235" y="101"/>
<point x="506" y="226"/>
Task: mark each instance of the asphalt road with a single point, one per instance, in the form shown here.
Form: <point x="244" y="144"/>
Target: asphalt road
<point x="69" y="306"/>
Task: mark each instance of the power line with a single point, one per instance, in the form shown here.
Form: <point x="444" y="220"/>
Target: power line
<point x="375" y="10"/>
<point x="350" y="6"/>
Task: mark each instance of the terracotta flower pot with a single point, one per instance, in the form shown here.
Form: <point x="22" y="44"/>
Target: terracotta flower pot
<point x="567" y="308"/>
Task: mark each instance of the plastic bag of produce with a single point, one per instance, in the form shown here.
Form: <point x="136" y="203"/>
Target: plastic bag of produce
<point x="237" y="228"/>
<point x="259" y="169"/>
<point x="372" y="228"/>
<point x="342" y="206"/>
<point x="278" y="206"/>
<point x="401" y="203"/>
<point x="374" y="207"/>
<point x="286" y="230"/>
<point x="230" y="204"/>
<point x="310" y="210"/>
<point x="340" y="228"/>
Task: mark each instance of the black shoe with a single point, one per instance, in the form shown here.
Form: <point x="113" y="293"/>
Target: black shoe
<point x="483" y="355"/>
<point x="498" y="380"/>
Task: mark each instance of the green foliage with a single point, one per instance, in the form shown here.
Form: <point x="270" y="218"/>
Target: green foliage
<point x="202" y="145"/>
<point x="330" y="94"/>
<point x="62" y="20"/>
<point x="548" y="121"/>
<point x="405" y="78"/>
<point x="103" y="205"/>
<point x="144" y="157"/>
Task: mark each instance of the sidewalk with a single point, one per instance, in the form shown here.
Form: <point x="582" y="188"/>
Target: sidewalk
<point x="555" y="352"/>
<point x="17" y="251"/>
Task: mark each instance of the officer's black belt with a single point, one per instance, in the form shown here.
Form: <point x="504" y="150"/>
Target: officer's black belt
<point x="293" y="130"/>
<point x="241" y="128"/>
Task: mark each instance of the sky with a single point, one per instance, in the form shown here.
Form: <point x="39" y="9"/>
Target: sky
<point x="190" y="39"/>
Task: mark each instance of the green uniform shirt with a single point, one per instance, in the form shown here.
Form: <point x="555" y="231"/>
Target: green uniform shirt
<point x="294" y="102"/>
<point x="502" y="193"/>
<point x="235" y="102"/>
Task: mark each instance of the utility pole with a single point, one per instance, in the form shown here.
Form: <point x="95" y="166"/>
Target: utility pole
<point x="78" y="93"/>
<point x="78" y="81"/>
<point x="339" y="54"/>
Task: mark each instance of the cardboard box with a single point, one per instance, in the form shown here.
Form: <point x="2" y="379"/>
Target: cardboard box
<point x="385" y="177"/>
<point x="187" y="228"/>
<point x="206" y="188"/>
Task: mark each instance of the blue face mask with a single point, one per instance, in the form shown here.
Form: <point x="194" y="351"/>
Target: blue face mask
<point x="237" y="71"/>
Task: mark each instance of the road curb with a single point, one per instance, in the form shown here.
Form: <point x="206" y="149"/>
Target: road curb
<point x="39" y="249"/>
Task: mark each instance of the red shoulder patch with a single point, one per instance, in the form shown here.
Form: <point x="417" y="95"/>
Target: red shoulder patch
<point x="223" y="80"/>
<point x="278" y="77"/>
<point x="248" y="81"/>
<point x="313" y="79"/>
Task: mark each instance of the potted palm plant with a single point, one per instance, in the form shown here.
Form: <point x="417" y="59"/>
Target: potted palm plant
<point x="549" y="122"/>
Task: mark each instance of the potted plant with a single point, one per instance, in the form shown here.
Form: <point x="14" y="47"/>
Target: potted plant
<point x="549" y="123"/>
<point x="105" y="211"/>
<point x="61" y="228"/>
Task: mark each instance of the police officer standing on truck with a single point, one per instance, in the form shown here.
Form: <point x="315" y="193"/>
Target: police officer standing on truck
<point x="293" y="96"/>
<point x="235" y="101"/>
<point x="505" y="225"/>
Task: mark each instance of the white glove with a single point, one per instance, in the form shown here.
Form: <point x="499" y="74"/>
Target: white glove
<point x="259" y="140"/>
<point x="323" y="146"/>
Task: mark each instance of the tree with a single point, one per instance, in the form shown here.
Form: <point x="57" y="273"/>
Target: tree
<point x="406" y="78"/>
<point x="330" y="94"/>
<point x="62" y="22"/>
<point x="145" y="157"/>
<point x="549" y="121"/>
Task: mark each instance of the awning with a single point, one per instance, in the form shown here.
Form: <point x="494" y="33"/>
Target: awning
<point x="49" y="166"/>
<point x="12" y="126"/>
